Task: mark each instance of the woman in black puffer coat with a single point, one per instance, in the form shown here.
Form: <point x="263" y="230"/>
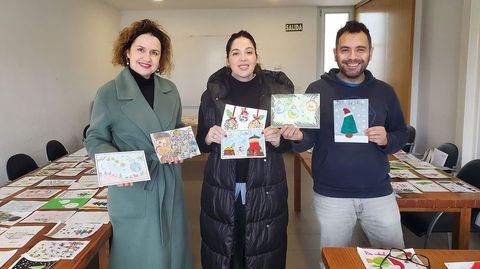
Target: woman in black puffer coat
<point x="251" y="232"/>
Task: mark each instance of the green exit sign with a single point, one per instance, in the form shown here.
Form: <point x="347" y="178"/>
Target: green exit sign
<point x="293" y="27"/>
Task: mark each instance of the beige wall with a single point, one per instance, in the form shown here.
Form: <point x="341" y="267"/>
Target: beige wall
<point x="54" y="55"/>
<point x="199" y="38"/>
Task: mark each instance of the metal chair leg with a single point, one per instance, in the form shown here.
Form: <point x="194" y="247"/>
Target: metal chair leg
<point x="430" y="227"/>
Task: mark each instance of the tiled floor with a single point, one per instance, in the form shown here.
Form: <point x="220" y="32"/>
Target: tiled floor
<point x="303" y="232"/>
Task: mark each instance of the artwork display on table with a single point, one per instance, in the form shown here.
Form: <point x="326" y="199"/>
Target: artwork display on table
<point x="70" y="199"/>
<point x="18" y="236"/>
<point x="121" y="167"/>
<point x="44" y="173"/>
<point x="69" y="172"/>
<point x="95" y="203"/>
<point x="38" y="193"/>
<point x="372" y="258"/>
<point x="301" y="110"/>
<point x="48" y="250"/>
<point x="5" y="255"/>
<point x="103" y="193"/>
<point x="24" y="263"/>
<point x="81" y="153"/>
<point x="14" y="211"/>
<point x="398" y="165"/>
<point x="427" y="185"/>
<point x="90" y="217"/>
<point x="178" y="143"/>
<point x="26" y="181"/>
<point x="73" y="230"/>
<point x="350" y="119"/>
<point x="48" y="216"/>
<point x="402" y="174"/>
<point x="431" y="173"/>
<point x="463" y="265"/>
<point x="404" y="187"/>
<point x="7" y="191"/>
<point x="56" y="182"/>
<point x="72" y="159"/>
<point x="457" y="186"/>
<point x="85" y="182"/>
<point x="59" y="166"/>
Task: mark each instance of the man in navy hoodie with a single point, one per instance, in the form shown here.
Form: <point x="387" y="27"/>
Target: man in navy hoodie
<point x="351" y="181"/>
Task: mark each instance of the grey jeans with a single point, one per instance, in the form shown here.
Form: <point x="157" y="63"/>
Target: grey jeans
<point x="378" y="217"/>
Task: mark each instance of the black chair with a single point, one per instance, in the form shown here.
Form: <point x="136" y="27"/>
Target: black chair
<point x="442" y="222"/>
<point x="452" y="152"/>
<point x="408" y="147"/>
<point x="85" y="132"/>
<point x="19" y="165"/>
<point x="55" y="150"/>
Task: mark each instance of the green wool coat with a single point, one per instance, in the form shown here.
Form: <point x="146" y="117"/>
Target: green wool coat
<point x="148" y="219"/>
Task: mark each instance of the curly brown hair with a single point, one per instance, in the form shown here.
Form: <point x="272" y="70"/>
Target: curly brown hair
<point x="128" y="35"/>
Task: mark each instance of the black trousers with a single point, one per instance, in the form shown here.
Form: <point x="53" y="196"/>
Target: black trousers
<point x="238" y="259"/>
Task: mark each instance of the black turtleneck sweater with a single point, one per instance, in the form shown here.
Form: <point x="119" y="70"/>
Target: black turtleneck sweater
<point x="246" y="94"/>
<point x="146" y="86"/>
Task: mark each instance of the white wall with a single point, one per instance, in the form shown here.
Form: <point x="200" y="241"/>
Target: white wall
<point x="199" y="38"/>
<point x="54" y="54"/>
<point x="439" y="60"/>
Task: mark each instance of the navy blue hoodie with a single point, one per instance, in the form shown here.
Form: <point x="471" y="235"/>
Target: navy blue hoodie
<point x="353" y="170"/>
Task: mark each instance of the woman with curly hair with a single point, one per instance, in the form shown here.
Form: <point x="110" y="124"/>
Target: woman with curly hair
<point x="148" y="218"/>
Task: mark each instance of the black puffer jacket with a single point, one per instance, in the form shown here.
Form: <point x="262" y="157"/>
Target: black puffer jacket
<point x="266" y="199"/>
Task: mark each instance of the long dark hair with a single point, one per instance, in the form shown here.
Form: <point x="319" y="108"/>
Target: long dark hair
<point x="247" y="35"/>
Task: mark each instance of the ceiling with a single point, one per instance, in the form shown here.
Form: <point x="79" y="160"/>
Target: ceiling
<point x="211" y="4"/>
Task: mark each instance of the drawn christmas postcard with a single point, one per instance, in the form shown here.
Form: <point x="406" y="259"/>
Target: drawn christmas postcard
<point x="24" y="263"/>
<point x="48" y="216"/>
<point x="121" y="167"/>
<point x="373" y="258"/>
<point x="56" y="182"/>
<point x="404" y="187"/>
<point x="242" y="144"/>
<point x="350" y="119"/>
<point x="18" y="236"/>
<point x="431" y="173"/>
<point x="302" y="110"/>
<point x="70" y="172"/>
<point x="242" y="118"/>
<point x="73" y="230"/>
<point x="95" y="203"/>
<point x="37" y="193"/>
<point x="427" y="186"/>
<point x="47" y="250"/>
<point x="26" y="181"/>
<point x="90" y="217"/>
<point x="5" y="255"/>
<point x="178" y="143"/>
<point x="457" y="186"/>
<point x="402" y="174"/>
<point x="85" y="182"/>
<point x="7" y="191"/>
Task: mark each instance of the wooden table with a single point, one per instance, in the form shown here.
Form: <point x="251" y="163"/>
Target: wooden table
<point x="99" y="242"/>
<point x="459" y="203"/>
<point x="341" y="258"/>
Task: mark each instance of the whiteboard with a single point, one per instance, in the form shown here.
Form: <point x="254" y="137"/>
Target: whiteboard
<point x="196" y="58"/>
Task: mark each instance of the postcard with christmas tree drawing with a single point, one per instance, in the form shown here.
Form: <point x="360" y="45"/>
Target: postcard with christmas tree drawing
<point x="243" y="118"/>
<point x="121" y="167"/>
<point x="242" y="144"/>
<point x="350" y="119"/>
<point x="302" y="110"/>
<point x="178" y="143"/>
